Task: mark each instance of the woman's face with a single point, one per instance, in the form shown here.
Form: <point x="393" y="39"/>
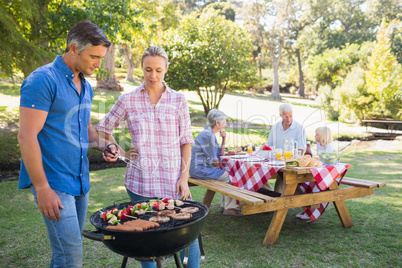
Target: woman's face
<point x="221" y="125"/>
<point x="317" y="137"/>
<point x="154" y="69"/>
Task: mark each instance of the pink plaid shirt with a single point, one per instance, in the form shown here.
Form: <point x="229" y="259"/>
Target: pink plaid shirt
<point x="158" y="133"/>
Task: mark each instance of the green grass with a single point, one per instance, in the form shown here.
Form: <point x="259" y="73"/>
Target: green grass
<point x="373" y="241"/>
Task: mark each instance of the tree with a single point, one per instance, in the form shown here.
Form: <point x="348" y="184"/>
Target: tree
<point x="384" y="76"/>
<point x="342" y="22"/>
<point x="114" y="18"/>
<point x="33" y="32"/>
<point x="269" y="24"/>
<point x="210" y="55"/>
<point x="300" y="17"/>
<point x="156" y="17"/>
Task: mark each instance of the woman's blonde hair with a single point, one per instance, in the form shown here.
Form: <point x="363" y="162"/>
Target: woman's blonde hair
<point x="325" y="135"/>
<point x="155" y="51"/>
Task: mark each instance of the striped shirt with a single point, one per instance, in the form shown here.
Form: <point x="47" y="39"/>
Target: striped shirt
<point x="158" y="132"/>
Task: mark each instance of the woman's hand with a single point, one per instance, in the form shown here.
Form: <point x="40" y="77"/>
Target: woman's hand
<point x="183" y="189"/>
<point x="132" y="153"/>
<point x="222" y="133"/>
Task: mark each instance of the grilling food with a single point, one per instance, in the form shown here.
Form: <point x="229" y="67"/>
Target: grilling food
<point x="166" y="213"/>
<point x="159" y="219"/>
<point x="182" y="216"/>
<point x="189" y="210"/>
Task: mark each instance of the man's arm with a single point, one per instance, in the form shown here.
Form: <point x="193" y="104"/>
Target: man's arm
<point x="182" y="184"/>
<point x="31" y="123"/>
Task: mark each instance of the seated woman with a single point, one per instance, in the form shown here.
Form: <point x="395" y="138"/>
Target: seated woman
<point x="205" y="153"/>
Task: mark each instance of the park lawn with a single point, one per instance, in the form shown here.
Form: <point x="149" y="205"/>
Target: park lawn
<point x="373" y="241"/>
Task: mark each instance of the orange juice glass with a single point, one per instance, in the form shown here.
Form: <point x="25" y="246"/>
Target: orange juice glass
<point x="287" y="155"/>
<point x="278" y="154"/>
<point x="249" y="150"/>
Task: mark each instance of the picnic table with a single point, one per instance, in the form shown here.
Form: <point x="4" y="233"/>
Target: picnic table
<point x="296" y="186"/>
<point x="391" y="125"/>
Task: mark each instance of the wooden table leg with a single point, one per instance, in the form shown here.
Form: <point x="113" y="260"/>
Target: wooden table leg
<point x="341" y="208"/>
<point x="208" y="197"/>
<point x="279" y="217"/>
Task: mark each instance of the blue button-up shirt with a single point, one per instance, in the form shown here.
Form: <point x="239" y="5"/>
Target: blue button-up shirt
<point x="278" y="135"/>
<point x="204" y="152"/>
<point x="64" y="137"/>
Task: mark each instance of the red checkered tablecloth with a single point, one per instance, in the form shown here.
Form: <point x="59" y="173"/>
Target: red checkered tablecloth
<point x="248" y="175"/>
<point x="324" y="177"/>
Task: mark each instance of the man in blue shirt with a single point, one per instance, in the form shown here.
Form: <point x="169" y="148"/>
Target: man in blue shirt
<point x="287" y="129"/>
<point x="54" y="136"/>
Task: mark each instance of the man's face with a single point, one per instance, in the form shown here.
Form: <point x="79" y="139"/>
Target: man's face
<point x="89" y="59"/>
<point x="287" y="118"/>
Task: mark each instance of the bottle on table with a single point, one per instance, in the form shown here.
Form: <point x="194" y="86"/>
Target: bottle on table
<point x="308" y="149"/>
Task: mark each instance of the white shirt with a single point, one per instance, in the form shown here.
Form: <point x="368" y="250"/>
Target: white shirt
<point x="329" y="148"/>
<point x="277" y="136"/>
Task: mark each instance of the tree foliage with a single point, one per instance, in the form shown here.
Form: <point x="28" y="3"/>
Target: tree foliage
<point x="384" y="77"/>
<point x="210" y="55"/>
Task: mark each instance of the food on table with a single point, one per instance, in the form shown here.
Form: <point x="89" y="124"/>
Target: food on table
<point x="313" y="162"/>
<point x="159" y="219"/>
<point x="291" y="163"/>
<point x="266" y="148"/>
<point x="189" y="210"/>
<point x="330" y="158"/>
<point x="182" y="216"/>
<point x="303" y="160"/>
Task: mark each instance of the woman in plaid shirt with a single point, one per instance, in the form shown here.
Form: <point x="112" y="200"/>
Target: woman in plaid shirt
<point x="159" y="123"/>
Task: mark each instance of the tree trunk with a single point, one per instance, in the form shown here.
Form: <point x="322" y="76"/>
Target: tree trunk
<point x="301" y="78"/>
<point x="129" y="62"/>
<point x="106" y="79"/>
<point x="275" y="88"/>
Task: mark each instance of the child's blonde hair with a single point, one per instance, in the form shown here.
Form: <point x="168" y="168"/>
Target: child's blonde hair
<point x="325" y="135"/>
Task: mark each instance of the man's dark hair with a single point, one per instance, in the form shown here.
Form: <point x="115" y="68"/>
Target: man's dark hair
<point x="86" y="34"/>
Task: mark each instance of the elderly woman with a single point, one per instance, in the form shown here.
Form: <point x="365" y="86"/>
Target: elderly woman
<point x="159" y="123"/>
<point x="205" y="153"/>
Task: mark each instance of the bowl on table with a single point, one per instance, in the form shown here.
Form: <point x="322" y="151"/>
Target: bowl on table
<point x="330" y="159"/>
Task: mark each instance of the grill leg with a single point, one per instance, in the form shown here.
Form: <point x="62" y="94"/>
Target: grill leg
<point x="158" y="263"/>
<point x="124" y="263"/>
<point x="177" y="260"/>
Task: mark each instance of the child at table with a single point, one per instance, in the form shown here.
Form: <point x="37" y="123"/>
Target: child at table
<point x="325" y="143"/>
<point x="323" y="137"/>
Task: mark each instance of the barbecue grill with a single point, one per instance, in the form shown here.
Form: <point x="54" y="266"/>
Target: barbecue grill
<point x="152" y="244"/>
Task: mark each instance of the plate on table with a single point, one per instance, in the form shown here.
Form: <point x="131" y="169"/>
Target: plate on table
<point x="239" y="156"/>
<point x="255" y="159"/>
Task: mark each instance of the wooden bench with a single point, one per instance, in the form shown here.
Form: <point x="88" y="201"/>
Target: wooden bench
<point x="362" y="183"/>
<point x="254" y="202"/>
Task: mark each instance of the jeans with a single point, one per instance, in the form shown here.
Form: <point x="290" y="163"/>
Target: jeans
<point x="65" y="234"/>
<point x="194" y="250"/>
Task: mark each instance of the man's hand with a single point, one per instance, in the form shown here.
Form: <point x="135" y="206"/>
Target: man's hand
<point x="49" y="203"/>
<point x="111" y="153"/>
